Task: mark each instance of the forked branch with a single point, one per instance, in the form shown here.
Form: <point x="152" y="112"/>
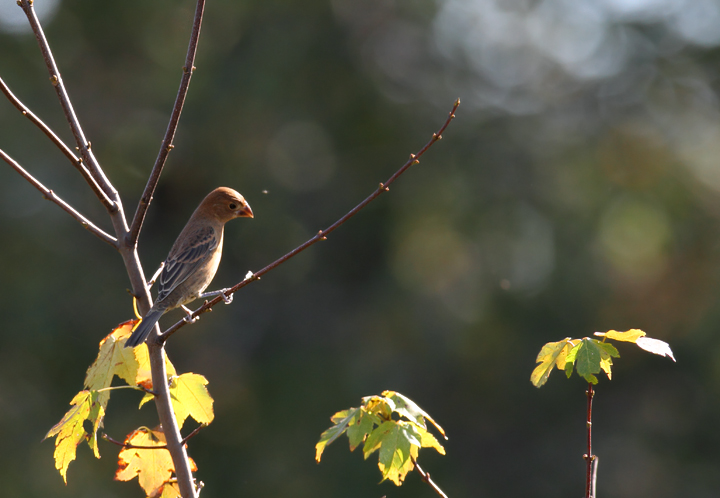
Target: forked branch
<point x="322" y="234"/>
<point x="76" y="161"/>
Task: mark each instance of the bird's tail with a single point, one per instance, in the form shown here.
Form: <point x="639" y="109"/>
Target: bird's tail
<point x="143" y="330"/>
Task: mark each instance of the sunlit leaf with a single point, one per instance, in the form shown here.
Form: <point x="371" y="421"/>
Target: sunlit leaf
<point x="427" y="440"/>
<point x="407" y="408"/>
<point x="655" y="346"/>
<point x="70" y="431"/>
<point x="631" y="335"/>
<point x="341" y="419"/>
<point x="547" y="358"/>
<point x="190" y="397"/>
<point x="153" y="467"/>
<point x="394" y="440"/>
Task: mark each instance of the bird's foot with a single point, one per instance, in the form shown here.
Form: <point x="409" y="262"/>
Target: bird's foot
<point x="227" y="299"/>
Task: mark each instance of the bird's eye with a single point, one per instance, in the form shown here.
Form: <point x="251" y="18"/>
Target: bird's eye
<point x="233" y="206"/>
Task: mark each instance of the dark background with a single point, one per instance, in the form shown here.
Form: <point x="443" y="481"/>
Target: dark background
<point x="577" y="190"/>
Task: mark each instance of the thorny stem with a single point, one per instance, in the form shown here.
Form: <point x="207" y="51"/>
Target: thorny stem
<point x="322" y="234"/>
<point x="167" y="145"/>
<point x="426" y="477"/>
<point x="589" y="457"/>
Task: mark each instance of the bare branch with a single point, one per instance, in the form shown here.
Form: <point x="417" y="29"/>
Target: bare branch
<point x="426" y="477"/>
<point x="76" y="161"/>
<point x="57" y="82"/>
<point x="52" y="196"/>
<point x="322" y="234"/>
<point x="167" y="145"/>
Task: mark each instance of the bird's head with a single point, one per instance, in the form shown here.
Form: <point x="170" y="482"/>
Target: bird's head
<point x="225" y="204"/>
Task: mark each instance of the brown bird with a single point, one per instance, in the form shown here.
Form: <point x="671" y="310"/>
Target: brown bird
<point x="194" y="258"/>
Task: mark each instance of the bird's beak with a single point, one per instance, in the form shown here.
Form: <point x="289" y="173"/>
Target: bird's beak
<point x="245" y="212"/>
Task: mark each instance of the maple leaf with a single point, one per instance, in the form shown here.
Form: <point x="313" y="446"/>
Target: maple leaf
<point x="189" y="397"/>
<point x="547" y="358"/>
<point x="70" y="431"/>
<point x="341" y="420"/>
<point x="407" y="408"/>
<point x="152" y="466"/>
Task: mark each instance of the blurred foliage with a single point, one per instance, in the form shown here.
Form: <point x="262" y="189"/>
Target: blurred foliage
<point x="578" y="190"/>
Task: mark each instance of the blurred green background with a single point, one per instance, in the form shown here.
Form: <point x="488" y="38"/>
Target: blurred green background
<point x="577" y="190"/>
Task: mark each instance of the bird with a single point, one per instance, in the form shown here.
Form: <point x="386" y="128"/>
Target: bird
<point x="194" y="258"/>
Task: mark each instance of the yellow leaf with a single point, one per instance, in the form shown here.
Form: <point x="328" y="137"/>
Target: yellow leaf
<point x="547" y="357"/>
<point x="190" y="397"/>
<point x="427" y="440"/>
<point x="631" y="335"/>
<point x="143" y="376"/>
<point x="407" y="408"/>
<point x="606" y="365"/>
<point x="112" y="359"/>
<point x="70" y="431"/>
<point x="562" y="357"/>
<point x="153" y="467"/>
<point x="168" y="490"/>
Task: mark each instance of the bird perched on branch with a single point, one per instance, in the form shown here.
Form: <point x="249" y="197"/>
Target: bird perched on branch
<point x="194" y="258"/>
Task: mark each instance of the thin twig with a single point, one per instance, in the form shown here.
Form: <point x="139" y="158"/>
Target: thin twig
<point x="52" y="196"/>
<point x="322" y="234"/>
<point x="57" y="82"/>
<point x="167" y="145"/>
<point x="158" y="447"/>
<point x="589" y="457"/>
<point x="426" y="477"/>
<point x="76" y="161"/>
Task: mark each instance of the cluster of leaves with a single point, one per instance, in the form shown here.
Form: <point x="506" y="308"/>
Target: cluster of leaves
<point x="144" y="454"/>
<point x="390" y="423"/>
<point x="589" y="356"/>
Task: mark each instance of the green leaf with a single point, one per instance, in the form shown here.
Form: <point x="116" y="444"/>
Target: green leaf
<point x="547" y="358"/>
<point x="588" y="359"/>
<point x="395" y="440"/>
<point x="341" y="419"/>
<point x="359" y="430"/>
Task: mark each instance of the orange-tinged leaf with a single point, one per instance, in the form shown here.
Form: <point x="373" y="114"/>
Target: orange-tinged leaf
<point x="153" y="467"/>
<point x="143" y="376"/>
<point x="631" y="335"/>
<point x="168" y="490"/>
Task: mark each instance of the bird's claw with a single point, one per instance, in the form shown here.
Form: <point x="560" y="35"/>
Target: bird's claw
<point x="226" y="299"/>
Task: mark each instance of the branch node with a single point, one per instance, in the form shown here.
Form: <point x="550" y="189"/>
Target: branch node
<point x="54" y="80"/>
<point x="416" y="161"/>
<point x="170" y="147"/>
<point x="412" y="156"/>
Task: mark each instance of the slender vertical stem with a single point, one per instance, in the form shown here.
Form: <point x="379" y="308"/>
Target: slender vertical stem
<point x="167" y="144"/>
<point x="589" y="457"/>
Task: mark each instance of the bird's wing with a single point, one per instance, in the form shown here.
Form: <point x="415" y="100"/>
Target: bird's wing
<point x="183" y="262"/>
